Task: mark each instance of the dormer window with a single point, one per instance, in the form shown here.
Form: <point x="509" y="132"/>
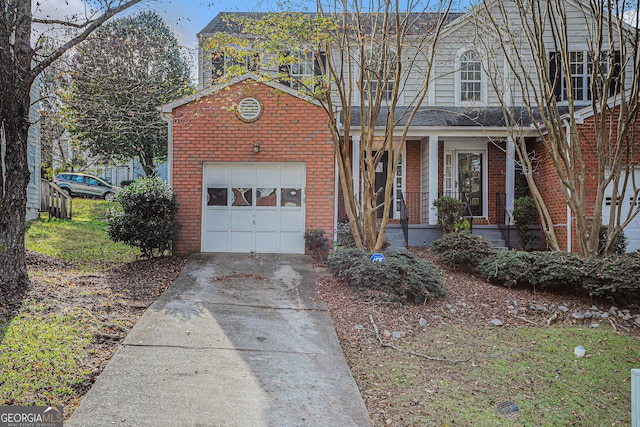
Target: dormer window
<point x="470" y="77"/>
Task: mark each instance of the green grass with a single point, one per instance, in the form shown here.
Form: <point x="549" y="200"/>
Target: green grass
<point x="82" y="240"/>
<point x="535" y="368"/>
<point x="39" y="355"/>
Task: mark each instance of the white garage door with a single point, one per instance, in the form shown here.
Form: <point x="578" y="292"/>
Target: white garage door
<point x="250" y="207"/>
<point x="632" y="231"/>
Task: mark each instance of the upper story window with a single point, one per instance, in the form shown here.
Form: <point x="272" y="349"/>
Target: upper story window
<point x="581" y="70"/>
<point x="235" y="63"/>
<point x="470" y="77"/>
<point x="302" y="69"/>
<point x="386" y="83"/>
<point x="305" y="66"/>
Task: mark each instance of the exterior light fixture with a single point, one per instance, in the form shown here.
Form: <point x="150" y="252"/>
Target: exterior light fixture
<point x="256" y="147"/>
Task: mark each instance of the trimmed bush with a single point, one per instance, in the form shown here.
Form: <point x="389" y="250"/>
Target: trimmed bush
<point x="615" y="276"/>
<point x="317" y="243"/>
<point x="507" y="268"/>
<point x="560" y="270"/>
<point x="449" y="214"/>
<point x="525" y="214"/>
<point x="402" y="277"/>
<point x="462" y="249"/>
<point x="147" y="219"/>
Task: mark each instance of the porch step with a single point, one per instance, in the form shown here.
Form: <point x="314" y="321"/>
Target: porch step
<point x="395" y="234"/>
<point x="492" y="233"/>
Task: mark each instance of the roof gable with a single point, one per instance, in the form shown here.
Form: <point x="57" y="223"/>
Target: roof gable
<point x="168" y="108"/>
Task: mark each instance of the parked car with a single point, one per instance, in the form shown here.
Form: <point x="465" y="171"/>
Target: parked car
<point x="79" y="184"/>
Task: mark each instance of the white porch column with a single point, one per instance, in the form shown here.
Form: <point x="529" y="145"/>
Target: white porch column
<point x="433" y="178"/>
<point x="510" y="176"/>
<point x="355" y="166"/>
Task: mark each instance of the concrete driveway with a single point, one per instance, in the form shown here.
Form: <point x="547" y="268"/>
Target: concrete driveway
<point x="236" y="340"/>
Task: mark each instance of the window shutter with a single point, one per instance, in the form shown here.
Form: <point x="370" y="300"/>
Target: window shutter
<point x="614" y="83"/>
<point x="217" y="65"/>
<point x="555" y="74"/>
<point x="319" y="64"/>
<point x="254" y="62"/>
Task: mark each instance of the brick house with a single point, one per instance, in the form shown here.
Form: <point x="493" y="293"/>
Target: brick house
<point x="458" y="144"/>
<point x="253" y="166"/>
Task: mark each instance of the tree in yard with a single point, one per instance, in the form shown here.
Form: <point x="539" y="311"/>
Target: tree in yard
<point x="120" y="76"/>
<point x="362" y="54"/>
<point x="530" y="55"/>
<point x="21" y="63"/>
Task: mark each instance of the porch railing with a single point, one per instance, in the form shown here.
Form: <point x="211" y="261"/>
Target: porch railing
<point x="404" y="220"/>
<point x="417" y="204"/>
<point x="54" y="201"/>
<point x="503" y="219"/>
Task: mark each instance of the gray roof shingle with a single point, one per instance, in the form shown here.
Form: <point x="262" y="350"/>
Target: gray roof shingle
<point x="430" y="116"/>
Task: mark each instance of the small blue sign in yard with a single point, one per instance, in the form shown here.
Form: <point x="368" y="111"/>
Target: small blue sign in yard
<point x="377" y="257"/>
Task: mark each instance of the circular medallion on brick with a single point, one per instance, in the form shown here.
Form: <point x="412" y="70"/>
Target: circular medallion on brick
<point x="249" y="109"/>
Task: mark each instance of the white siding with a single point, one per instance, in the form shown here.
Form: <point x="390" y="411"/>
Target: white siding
<point x="33" y="152"/>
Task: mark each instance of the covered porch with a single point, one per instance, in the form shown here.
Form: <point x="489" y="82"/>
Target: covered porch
<point x="468" y="155"/>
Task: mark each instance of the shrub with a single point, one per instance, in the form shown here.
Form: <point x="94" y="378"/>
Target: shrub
<point x="615" y="276"/>
<point x="525" y="214"/>
<point x="316" y="242"/>
<point x="560" y="270"/>
<point x="402" y="277"/>
<point x="147" y="219"/>
<point x="463" y="249"/>
<point x="619" y="245"/>
<point x="507" y="268"/>
<point x="449" y="213"/>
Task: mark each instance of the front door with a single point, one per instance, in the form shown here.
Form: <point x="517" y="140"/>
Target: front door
<point x="381" y="182"/>
<point x="470" y="182"/>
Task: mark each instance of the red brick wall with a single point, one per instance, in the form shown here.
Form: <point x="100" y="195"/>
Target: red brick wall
<point x="549" y="183"/>
<point x="496" y="176"/>
<point x="289" y="130"/>
<point x="412" y="175"/>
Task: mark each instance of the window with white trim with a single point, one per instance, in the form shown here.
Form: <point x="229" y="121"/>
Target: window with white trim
<point x="581" y="71"/>
<point x="302" y="70"/>
<point x="470" y="77"/>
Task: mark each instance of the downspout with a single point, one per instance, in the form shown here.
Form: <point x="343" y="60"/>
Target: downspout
<point x="336" y="186"/>
<point x="569" y="215"/>
<point x="167" y="117"/>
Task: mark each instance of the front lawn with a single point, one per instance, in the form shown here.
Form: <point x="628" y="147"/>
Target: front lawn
<point x="86" y="294"/>
<point x="444" y="363"/>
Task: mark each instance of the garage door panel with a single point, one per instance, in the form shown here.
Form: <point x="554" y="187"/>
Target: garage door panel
<point x="216" y="176"/>
<point x="632" y="230"/>
<point x="291" y="220"/>
<point x="241" y="241"/>
<point x="216" y="220"/>
<point x="267" y="242"/>
<point x="268" y="176"/>
<point x="243" y="176"/>
<point x="292" y="176"/>
<point x="267" y="220"/>
<point x="291" y="242"/>
<point x="241" y="219"/>
<point x="216" y="241"/>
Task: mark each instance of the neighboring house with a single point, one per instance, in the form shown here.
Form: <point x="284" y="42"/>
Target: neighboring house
<point x="226" y="162"/>
<point x="33" y="155"/>
<point x="113" y="172"/>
